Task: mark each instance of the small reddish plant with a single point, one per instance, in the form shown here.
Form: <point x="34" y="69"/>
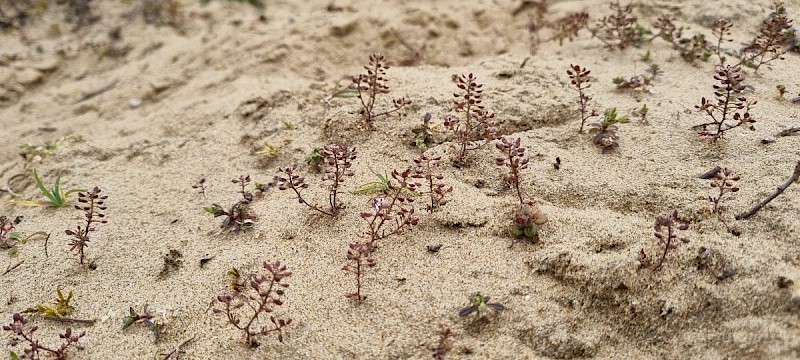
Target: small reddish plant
<point x="568" y="26"/>
<point x="666" y="231"/>
<point x="22" y="333"/>
<point x="373" y="83"/>
<point x="722" y="30"/>
<point x="620" y="29"/>
<point x="393" y="207"/>
<point x="579" y="78"/>
<point x="200" y="186"/>
<point x="436" y="189"/>
<point x="476" y="123"/>
<point x="11" y="240"/>
<point x="515" y="160"/>
<point x="338" y="160"/>
<point x="731" y="109"/>
<point x="145" y="318"/>
<point x="238" y="217"/>
<point x="264" y="296"/>
<point x="527" y="220"/>
<point x="690" y="49"/>
<point x="359" y="257"/>
<point x="93" y="205"/>
<point x="606" y="131"/>
<point x="725" y="182"/>
<point x="770" y="44"/>
<point x="527" y="217"/>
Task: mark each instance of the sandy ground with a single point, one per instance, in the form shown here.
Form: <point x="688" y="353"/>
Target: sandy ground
<point x="576" y="293"/>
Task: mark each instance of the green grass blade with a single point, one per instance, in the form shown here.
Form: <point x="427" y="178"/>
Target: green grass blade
<point x="57" y="192"/>
<point x="41" y="187"/>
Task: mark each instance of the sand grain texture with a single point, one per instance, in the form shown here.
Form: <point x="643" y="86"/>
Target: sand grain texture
<point x="214" y="89"/>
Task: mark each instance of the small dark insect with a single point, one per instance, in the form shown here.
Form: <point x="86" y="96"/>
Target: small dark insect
<point x="557" y="164"/>
<point x="481" y="305"/>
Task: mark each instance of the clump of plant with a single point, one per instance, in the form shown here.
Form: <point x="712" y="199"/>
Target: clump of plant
<point x="568" y="26"/>
<point x="200" y="186"/>
<point x="373" y="83"/>
<point x="770" y="44"/>
<point x="93" y="205"/>
<point x="11" y="240"/>
<point x="475" y="123"/>
<point x="55" y="197"/>
<point x="620" y="29"/>
<point x="606" y="137"/>
<point x="721" y="29"/>
<point x="392" y="208"/>
<point x="436" y="189"/>
<point x="247" y="308"/>
<point x="22" y="333"/>
<point x="239" y="216"/>
<point x="423" y="134"/>
<point x="725" y="182"/>
<point x="642" y="82"/>
<point x="731" y="109"/>
<point x="145" y="318"/>
<point x="527" y="220"/>
<point x="579" y="78"/>
<point x="514" y="160"/>
<point x="690" y="48"/>
<point x="338" y="160"/>
<point x="527" y="217"/>
<point x="666" y="231"/>
<point x="359" y="258"/>
<point x="60" y="307"/>
<point x="480" y="305"/>
<point x="33" y="153"/>
<point x="315" y="160"/>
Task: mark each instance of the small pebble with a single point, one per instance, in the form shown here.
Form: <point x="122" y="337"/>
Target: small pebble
<point x="134" y="103"/>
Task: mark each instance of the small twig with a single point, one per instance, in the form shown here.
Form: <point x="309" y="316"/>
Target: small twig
<point x="781" y="189"/>
<point x="91" y="94"/>
<point x="45" y="245"/>
<point x="69" y="320"/>
<point x="794" y="130"/>
<point x="177" y="350"/>
<point x="11" y="268"/>
<point x="8" y="189"/>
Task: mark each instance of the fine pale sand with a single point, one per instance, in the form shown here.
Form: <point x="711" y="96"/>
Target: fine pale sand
<point x="202" y="98"/>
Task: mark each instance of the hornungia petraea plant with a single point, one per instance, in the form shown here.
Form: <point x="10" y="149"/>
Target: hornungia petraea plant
<point x="731" y="109"/>
<point x="22" y="333"/>
<point x="580" y="80"/>
<point x="248" y="307"/>
<point x="373" y="83"/>
<point x="238" y="216"/>
<point x="436" y="189"/>
<point x="359" y="258"/>
<point x="476" y="125"/>
<point x="666" y="232"/>
<point x="391" y="213"/>
<point x="338" y="160"/>
<point x="93" y="205"/>
<point x="527" y="217"/>
<point x="606" y="130"/>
